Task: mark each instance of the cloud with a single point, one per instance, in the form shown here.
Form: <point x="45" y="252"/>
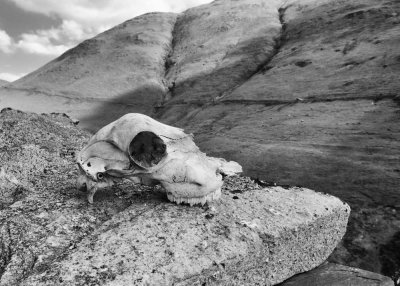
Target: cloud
<point x="38" y="44"/>
<point x="54" y="41"/>
<point x="6" y="42"/>
<point x="10" y="76"/>
<point x="51" y="42"/>
<point x="103" y="12"/>
<point x="82" y="19"/>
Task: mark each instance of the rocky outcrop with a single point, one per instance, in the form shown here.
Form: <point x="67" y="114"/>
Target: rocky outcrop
<point x="299" y="92"/>
<point x="50" y="235"/>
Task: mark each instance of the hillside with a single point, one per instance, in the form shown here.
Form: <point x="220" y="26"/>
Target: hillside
<point x="300" y="92"/>
<point x="122" y="68"/>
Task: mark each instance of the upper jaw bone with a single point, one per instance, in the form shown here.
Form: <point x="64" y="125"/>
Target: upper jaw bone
<point x="196" y="200"/>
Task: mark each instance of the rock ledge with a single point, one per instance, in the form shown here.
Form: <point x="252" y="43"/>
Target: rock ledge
<point x="134" y="236"/>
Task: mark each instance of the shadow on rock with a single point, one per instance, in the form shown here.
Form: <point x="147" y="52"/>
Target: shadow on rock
<point x="390" y="257"/>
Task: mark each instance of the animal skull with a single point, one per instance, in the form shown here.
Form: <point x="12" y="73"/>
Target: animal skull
<point x="143" y="150"/>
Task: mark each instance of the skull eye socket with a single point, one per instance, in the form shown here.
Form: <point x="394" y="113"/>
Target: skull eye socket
<point x="100" y="176"/>
<point x="147" y="149"/>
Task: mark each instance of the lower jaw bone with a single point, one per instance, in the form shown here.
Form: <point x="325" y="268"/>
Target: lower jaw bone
<point x="194" y="201"/>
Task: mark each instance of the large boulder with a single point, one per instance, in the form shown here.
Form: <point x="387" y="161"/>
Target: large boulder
<point x="132" y="236"/>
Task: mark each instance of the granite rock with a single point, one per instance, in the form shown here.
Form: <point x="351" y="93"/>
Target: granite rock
<point x="133" y="235"/>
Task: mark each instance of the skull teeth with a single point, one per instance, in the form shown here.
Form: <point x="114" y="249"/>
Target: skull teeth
<point x="197" y="200"/>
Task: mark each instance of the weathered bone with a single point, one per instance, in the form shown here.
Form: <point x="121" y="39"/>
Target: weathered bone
<point x="143" y="150"/>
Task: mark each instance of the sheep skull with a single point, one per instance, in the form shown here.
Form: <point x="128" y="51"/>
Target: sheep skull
<point x="143" y="150"/>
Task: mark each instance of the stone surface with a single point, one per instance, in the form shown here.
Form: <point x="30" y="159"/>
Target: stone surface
<point x="50" y="236"/>
<point x="320" y="109"/>
<point x="331" y="274"/>
<point x="263" y="236"/>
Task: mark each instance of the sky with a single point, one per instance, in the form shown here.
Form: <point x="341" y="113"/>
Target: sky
<point x="33" y="32"/>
